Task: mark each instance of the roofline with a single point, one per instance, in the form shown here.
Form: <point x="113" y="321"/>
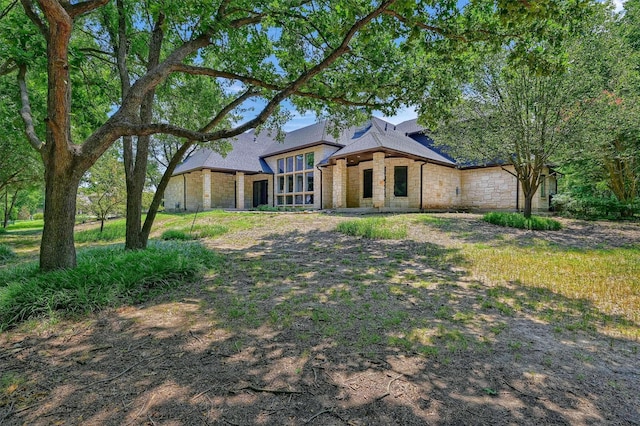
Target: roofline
<point x="388" y="150"/>
<point x="222" y="170"/>
<point x="299" y="147"/>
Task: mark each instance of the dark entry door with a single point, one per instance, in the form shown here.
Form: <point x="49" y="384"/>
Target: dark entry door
<point x="260" y="193"/>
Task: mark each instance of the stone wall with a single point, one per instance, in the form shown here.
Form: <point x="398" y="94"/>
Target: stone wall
<point x="248" y="188"/>
<point x="488" y="188"/>
<point x="412" y="200"/>
<point x="441" y="187"/>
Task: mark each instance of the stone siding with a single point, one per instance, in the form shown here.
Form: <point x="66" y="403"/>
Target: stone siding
<point x="488" y="188"/>
<point x="441" y="187"/>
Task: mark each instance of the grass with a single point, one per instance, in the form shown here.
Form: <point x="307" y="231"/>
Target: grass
<point x="6" y="254"/>
<point x="516" y="220"/>
<point x="607" y="279"/>
<point x="114" y="230"/>
<point x="375" y="228"/>
<point x="105" y="277"/>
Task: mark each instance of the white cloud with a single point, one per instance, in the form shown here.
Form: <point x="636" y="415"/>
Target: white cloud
<point x="402" y="115"/>
<point x="618" y="5"/>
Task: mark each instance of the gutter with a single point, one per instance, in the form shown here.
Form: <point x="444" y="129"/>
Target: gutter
<point x="517" y="195"/>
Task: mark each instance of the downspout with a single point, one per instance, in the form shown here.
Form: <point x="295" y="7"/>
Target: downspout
<point x="184" y="190"/>
<point x="320" y="170"/>
<point x="273" y="190"/>
<point x="517" y="195"/>
<point x="421" y="184"/>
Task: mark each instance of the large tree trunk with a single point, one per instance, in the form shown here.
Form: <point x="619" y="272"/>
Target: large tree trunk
<point x="57" y="250"/>
<point x="528" y="200"/>
<point x="135" y="186"/>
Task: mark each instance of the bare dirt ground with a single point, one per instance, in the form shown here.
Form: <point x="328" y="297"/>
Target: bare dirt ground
<point x="303" y="325"/>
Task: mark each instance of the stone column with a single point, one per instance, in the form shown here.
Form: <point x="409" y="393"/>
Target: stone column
<point x="240" y="190"/>
<point x="206" y="190"/>
<point x="378" y="179"/>
<point x="340" y="184"/>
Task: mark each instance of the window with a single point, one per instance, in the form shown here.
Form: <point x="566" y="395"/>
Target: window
<point x="400" y="181"/>
<point x="299" y="182"/>
<point x="309" y="182"/>
<point x="543" y="186"/>
<point x="295" y="180"/>
<point x="367" y="183"/>
<point x="280" y="184"/>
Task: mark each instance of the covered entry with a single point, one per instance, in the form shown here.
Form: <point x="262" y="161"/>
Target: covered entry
<point x="260" y="193"/>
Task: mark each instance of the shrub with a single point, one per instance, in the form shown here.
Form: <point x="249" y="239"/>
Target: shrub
<point x="374" y="228"/>
<point x="38" y="216"/>
<point x="516" y="220"/>
<point x="175" y="234"/>
<point x="6" y="253"/>
<point x="105" y="277"/>
<point x="3" y="230"/>
<point x="593" y="207"/>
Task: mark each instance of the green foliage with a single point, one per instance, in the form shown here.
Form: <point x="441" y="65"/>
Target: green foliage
<point x="175" y="234"/>
<point x="6" y="253"/>
<point x="113" y="231"/>
<point x="516" y="220"/>
<point x="377" y="228"/>
<point x="38" y="216"/>
<point x="3" y="230"/>
<point x="108" y="276"/>
<point x="26" y="224"/>
<point x="586" y="206"/>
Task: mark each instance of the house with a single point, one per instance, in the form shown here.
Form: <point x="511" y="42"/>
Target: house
<point x="378" y="165"/>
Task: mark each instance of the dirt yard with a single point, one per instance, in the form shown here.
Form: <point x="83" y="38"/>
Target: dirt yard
<point x="304" y="325"/>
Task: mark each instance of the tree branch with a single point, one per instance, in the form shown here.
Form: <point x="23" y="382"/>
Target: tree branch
<point x="25" y="111"/>
<point x="7" y="9"/>
<point x="8" y="67"/>
<point x="84" y="7"/>
<point x="31" y="13"/>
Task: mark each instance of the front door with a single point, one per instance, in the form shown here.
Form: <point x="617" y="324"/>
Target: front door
<point x="260" y="193"/>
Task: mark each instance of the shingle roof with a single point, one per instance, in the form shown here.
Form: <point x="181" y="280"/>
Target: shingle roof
<point x="250" y="149"/>
<point x="244" y="157"/>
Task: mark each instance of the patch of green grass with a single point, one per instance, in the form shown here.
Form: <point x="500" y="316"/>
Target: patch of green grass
<point x="107" y="276"/>
<point x="6" y="254"/>
<point x="175" y="234"/>
<point x="516" y="220"/>
<point x="2" y="231"/>
<point x="375" y="228"/>
<point x="26" y="224"/>
<point x="113" y="231"/>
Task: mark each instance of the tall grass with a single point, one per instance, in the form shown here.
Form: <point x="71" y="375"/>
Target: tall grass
<point x="6" y="253"/>
<point x="113" y="231"/>
<point x="25" y="224"/>
<point x="107" y="276"/>
<point x="607" y="279"/>
<point x="377" y="228"/>
<point x="516" y="220"/>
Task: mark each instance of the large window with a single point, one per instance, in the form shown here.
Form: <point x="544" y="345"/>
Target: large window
<point x="543" y="186"/>
<point x="295" y="180"/>
<point x="367" y="183"/>
<point x="400" y="181"/>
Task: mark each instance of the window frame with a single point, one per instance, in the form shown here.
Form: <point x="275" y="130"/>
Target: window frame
<point x="367" y="178"/>
<point x="398" y="191"/>
<point x="296" y="170"/>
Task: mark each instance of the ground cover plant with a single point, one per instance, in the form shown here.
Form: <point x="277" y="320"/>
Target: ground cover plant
<point x="456" y="322"/>
<point x="373" y="228"/>
<point x="516" y="220"/>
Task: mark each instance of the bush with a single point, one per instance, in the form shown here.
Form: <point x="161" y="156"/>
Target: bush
<point x="105" y="277"/>
<point x="38" y="216"/>
<point x="174" y="234"/>
<point x="592" y="207"/>
<point x="374" y="228"/>
<point x="2" y="230"/>
<point x="6" y="253"/>
<point x="516" y="220"/>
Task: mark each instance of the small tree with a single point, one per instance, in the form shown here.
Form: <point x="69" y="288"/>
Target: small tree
<point x="103" y="189"/>
<point x="516" y="115"/>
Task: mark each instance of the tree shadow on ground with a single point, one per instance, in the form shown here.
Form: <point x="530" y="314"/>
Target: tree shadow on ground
<point x="320" y="328"/>
<point x="575" y="234"/>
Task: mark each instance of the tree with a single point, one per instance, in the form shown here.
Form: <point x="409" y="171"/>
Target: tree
<point x="517" y="116"/>
<point x="325" y="55"/>
<point x="103" y="187"/>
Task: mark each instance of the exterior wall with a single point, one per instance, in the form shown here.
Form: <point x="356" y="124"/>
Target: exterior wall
<point x="441" y="187"/>
<point x="354" y="183"/>
<point x="248" y="188"/>
<point x="488" y="188"/>
<point x="223" y="192"/>
<point x="320" y="152"/>
<point x="412" y="200"/>
<point x="327" y="187"/>
<point x="174" y="194"/>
